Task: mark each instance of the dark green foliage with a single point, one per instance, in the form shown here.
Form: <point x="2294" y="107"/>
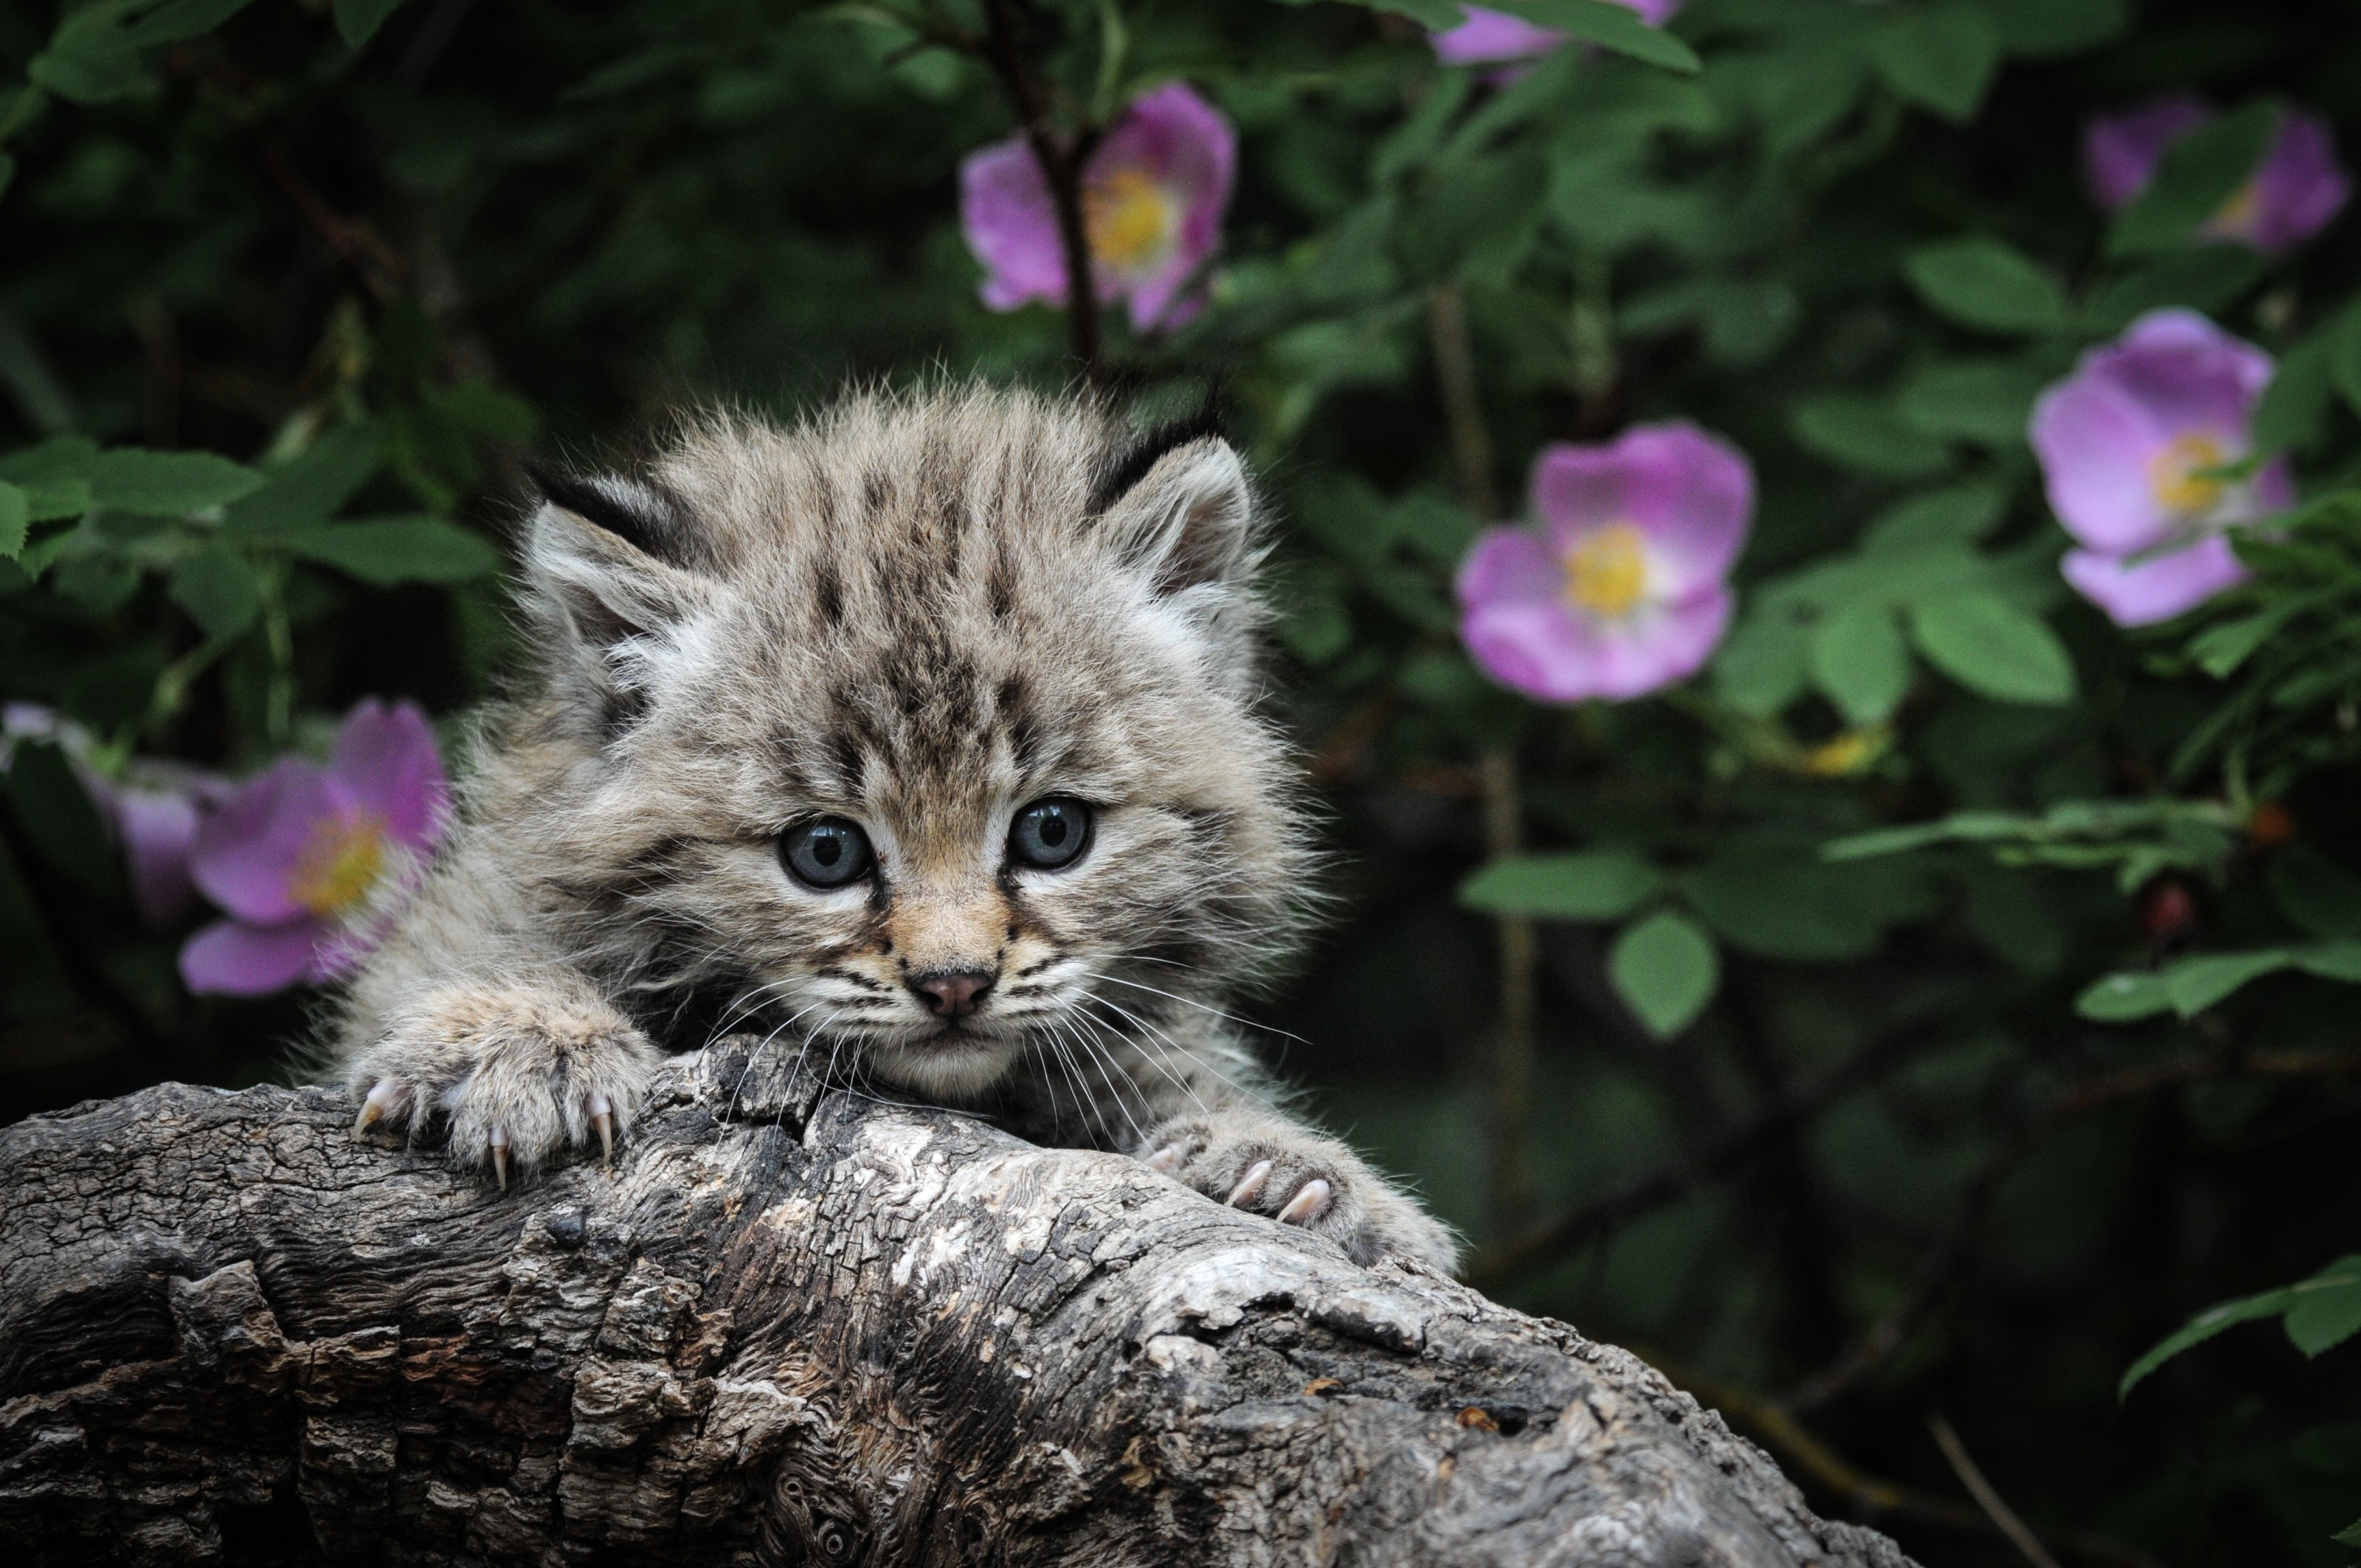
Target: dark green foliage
<point x="1941" y="958"/>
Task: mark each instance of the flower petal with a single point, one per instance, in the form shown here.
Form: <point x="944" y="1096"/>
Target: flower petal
<point x="386" y="762"/>
<point x="1509" y="565"/>
<point x="234" y="960"/>
<point x="1006" y="212"/>
<point x="2300" y="187"/>
<point x="1692" y="494"/>
<point x="2157" y="588"/>
<point x="1487" y="37"/>
<point x="1186" y="148"/>
<point x="1549" y="652"/>
<point x="2120" y="152"/>
<point x="245" y="854"/>
<point x="157" y="828"/>
<point x="2095" y="443"/>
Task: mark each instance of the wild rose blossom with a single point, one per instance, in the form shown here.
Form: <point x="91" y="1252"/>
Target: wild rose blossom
<point x="2128" y="446"/>
<point x="1153" y="194"/>
<point x="2293" y="193"/>
<point x="302" y="854"/>
<point x="1620" y="589"/>
<point x="1493" y="38"/>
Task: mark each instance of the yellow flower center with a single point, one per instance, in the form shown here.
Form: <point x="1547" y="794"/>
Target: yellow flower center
<point x="2236" y="218"/>
<point x="1129" y="217"/>
<point x="2177" y="476"/>
<point x="340" y="865"/>
<point x="1607" y="571"/>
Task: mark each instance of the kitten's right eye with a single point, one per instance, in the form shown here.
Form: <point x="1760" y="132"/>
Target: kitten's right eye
<point x="827" y="852"/>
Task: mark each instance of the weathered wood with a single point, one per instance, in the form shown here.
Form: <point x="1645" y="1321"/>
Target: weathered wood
<point x="789" y="1326"/>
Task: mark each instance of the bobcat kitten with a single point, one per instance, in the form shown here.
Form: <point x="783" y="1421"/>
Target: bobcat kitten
<point x="926" y="740"/>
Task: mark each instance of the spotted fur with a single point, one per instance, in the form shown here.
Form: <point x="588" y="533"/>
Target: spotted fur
<point x="921" y="613"/>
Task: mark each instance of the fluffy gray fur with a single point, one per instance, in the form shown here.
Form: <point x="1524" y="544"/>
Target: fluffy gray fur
<point x="919" y="613"/>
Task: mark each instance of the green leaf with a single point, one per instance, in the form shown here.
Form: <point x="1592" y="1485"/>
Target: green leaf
<point x="166" y="484"/>
<point x="2048" y="27"/>
<point x="1763" y="665"/>
<point x="2339" y="961"/>
<point x="1666" y="970"/>
<point x="1777" y="896"/>
<point x="1611" y="27"/>
<point x="1959" y="516"/>
<point x="1983" y="283"/>
<point x="64" y="825"/>
<point x="392" y="550"/>
<point x="2221" y="648"/>
<point x="2325" y="1310"/>
<point x="2198" y="174"/>
<point x="2293" y="412"/>
<point x="1993" y="648"/>
<point x="309" y="488"/>
<point x="1439" y="14"/>
<point x="2208" y="278"/>
<point x="2120" y="998"/>
<point x="2194" y="984"/>
<point x="2202" y="1327"/>
<point x="2344" y="358"/>
<point x="359" y="20"/>
<point x="2350" y="1535"/>
<point x="1863" y="433"/>
<point x="2314" y="893"/>
<point x="1983" y="401"/>
<point x="1860" y="660"/>
<point x="15" y="514"/>
<point x="1593" y="884"/>
<point x="220" y="590"/>
<point x="1939" y="56"/>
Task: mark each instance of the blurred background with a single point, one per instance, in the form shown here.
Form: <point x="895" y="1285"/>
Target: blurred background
<point x="1790" y="926"/>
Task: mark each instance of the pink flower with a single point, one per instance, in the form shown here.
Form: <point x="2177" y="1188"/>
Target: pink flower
<point x="2128" y="445"/>
<point x="1153" y="195"/>
<point x="302" y="855"/>
<point x="1620" y="591"/>
<point x="2293" y="193"/>
<point x="1489" y="37"/>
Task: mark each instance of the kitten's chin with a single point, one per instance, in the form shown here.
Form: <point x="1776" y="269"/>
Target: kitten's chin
<point x="944" y="1069"/>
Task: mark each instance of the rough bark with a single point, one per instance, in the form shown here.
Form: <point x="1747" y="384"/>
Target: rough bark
<point x="788" y="1326"/>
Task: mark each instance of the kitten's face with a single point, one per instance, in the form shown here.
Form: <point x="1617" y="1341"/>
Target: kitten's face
<point x="935" y="754"/>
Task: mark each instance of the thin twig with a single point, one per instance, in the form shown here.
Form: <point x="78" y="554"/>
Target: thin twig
<point x="1463" y="408"/>
<point x="1061" y="158"/>
<point x="1988" y="1499"/>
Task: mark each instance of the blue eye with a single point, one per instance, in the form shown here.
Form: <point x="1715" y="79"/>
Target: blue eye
<point x="1050" y="833"/>
<point x="826" y="852"/>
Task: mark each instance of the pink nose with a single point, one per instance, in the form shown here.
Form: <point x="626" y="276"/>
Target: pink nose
<point x="952" y="993"/>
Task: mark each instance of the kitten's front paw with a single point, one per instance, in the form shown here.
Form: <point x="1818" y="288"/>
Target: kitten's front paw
<point x="518" y="1075"/>
<point x="1271" y="1166"/>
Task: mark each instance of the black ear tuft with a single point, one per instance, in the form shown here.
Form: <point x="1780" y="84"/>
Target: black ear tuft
<point x="1130" y="465"/>
<point x="639" y="514"/>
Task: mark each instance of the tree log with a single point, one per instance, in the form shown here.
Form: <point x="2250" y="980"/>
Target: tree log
<point x="789" y="1325"/>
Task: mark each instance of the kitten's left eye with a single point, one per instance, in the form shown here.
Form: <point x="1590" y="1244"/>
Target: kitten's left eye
<point x="1049" y="833"/>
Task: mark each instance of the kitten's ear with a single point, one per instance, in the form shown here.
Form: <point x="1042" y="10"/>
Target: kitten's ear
<point x="1188" y="512"/>
<point x="598" y="557"/>
<point x="607" y="554"/>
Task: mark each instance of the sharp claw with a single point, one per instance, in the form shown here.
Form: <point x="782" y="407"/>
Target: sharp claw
<point x="1165" y="1158"/>
<point x="1250" y="1184"/>
<point x="1311" y="1202"/>
<point x="499" y="1142"/>
<point x="381" y="1096"/>
<point x="602" y="1119"/>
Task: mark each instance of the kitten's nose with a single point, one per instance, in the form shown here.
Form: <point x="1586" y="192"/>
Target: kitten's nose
<point x="953" y="993"/>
